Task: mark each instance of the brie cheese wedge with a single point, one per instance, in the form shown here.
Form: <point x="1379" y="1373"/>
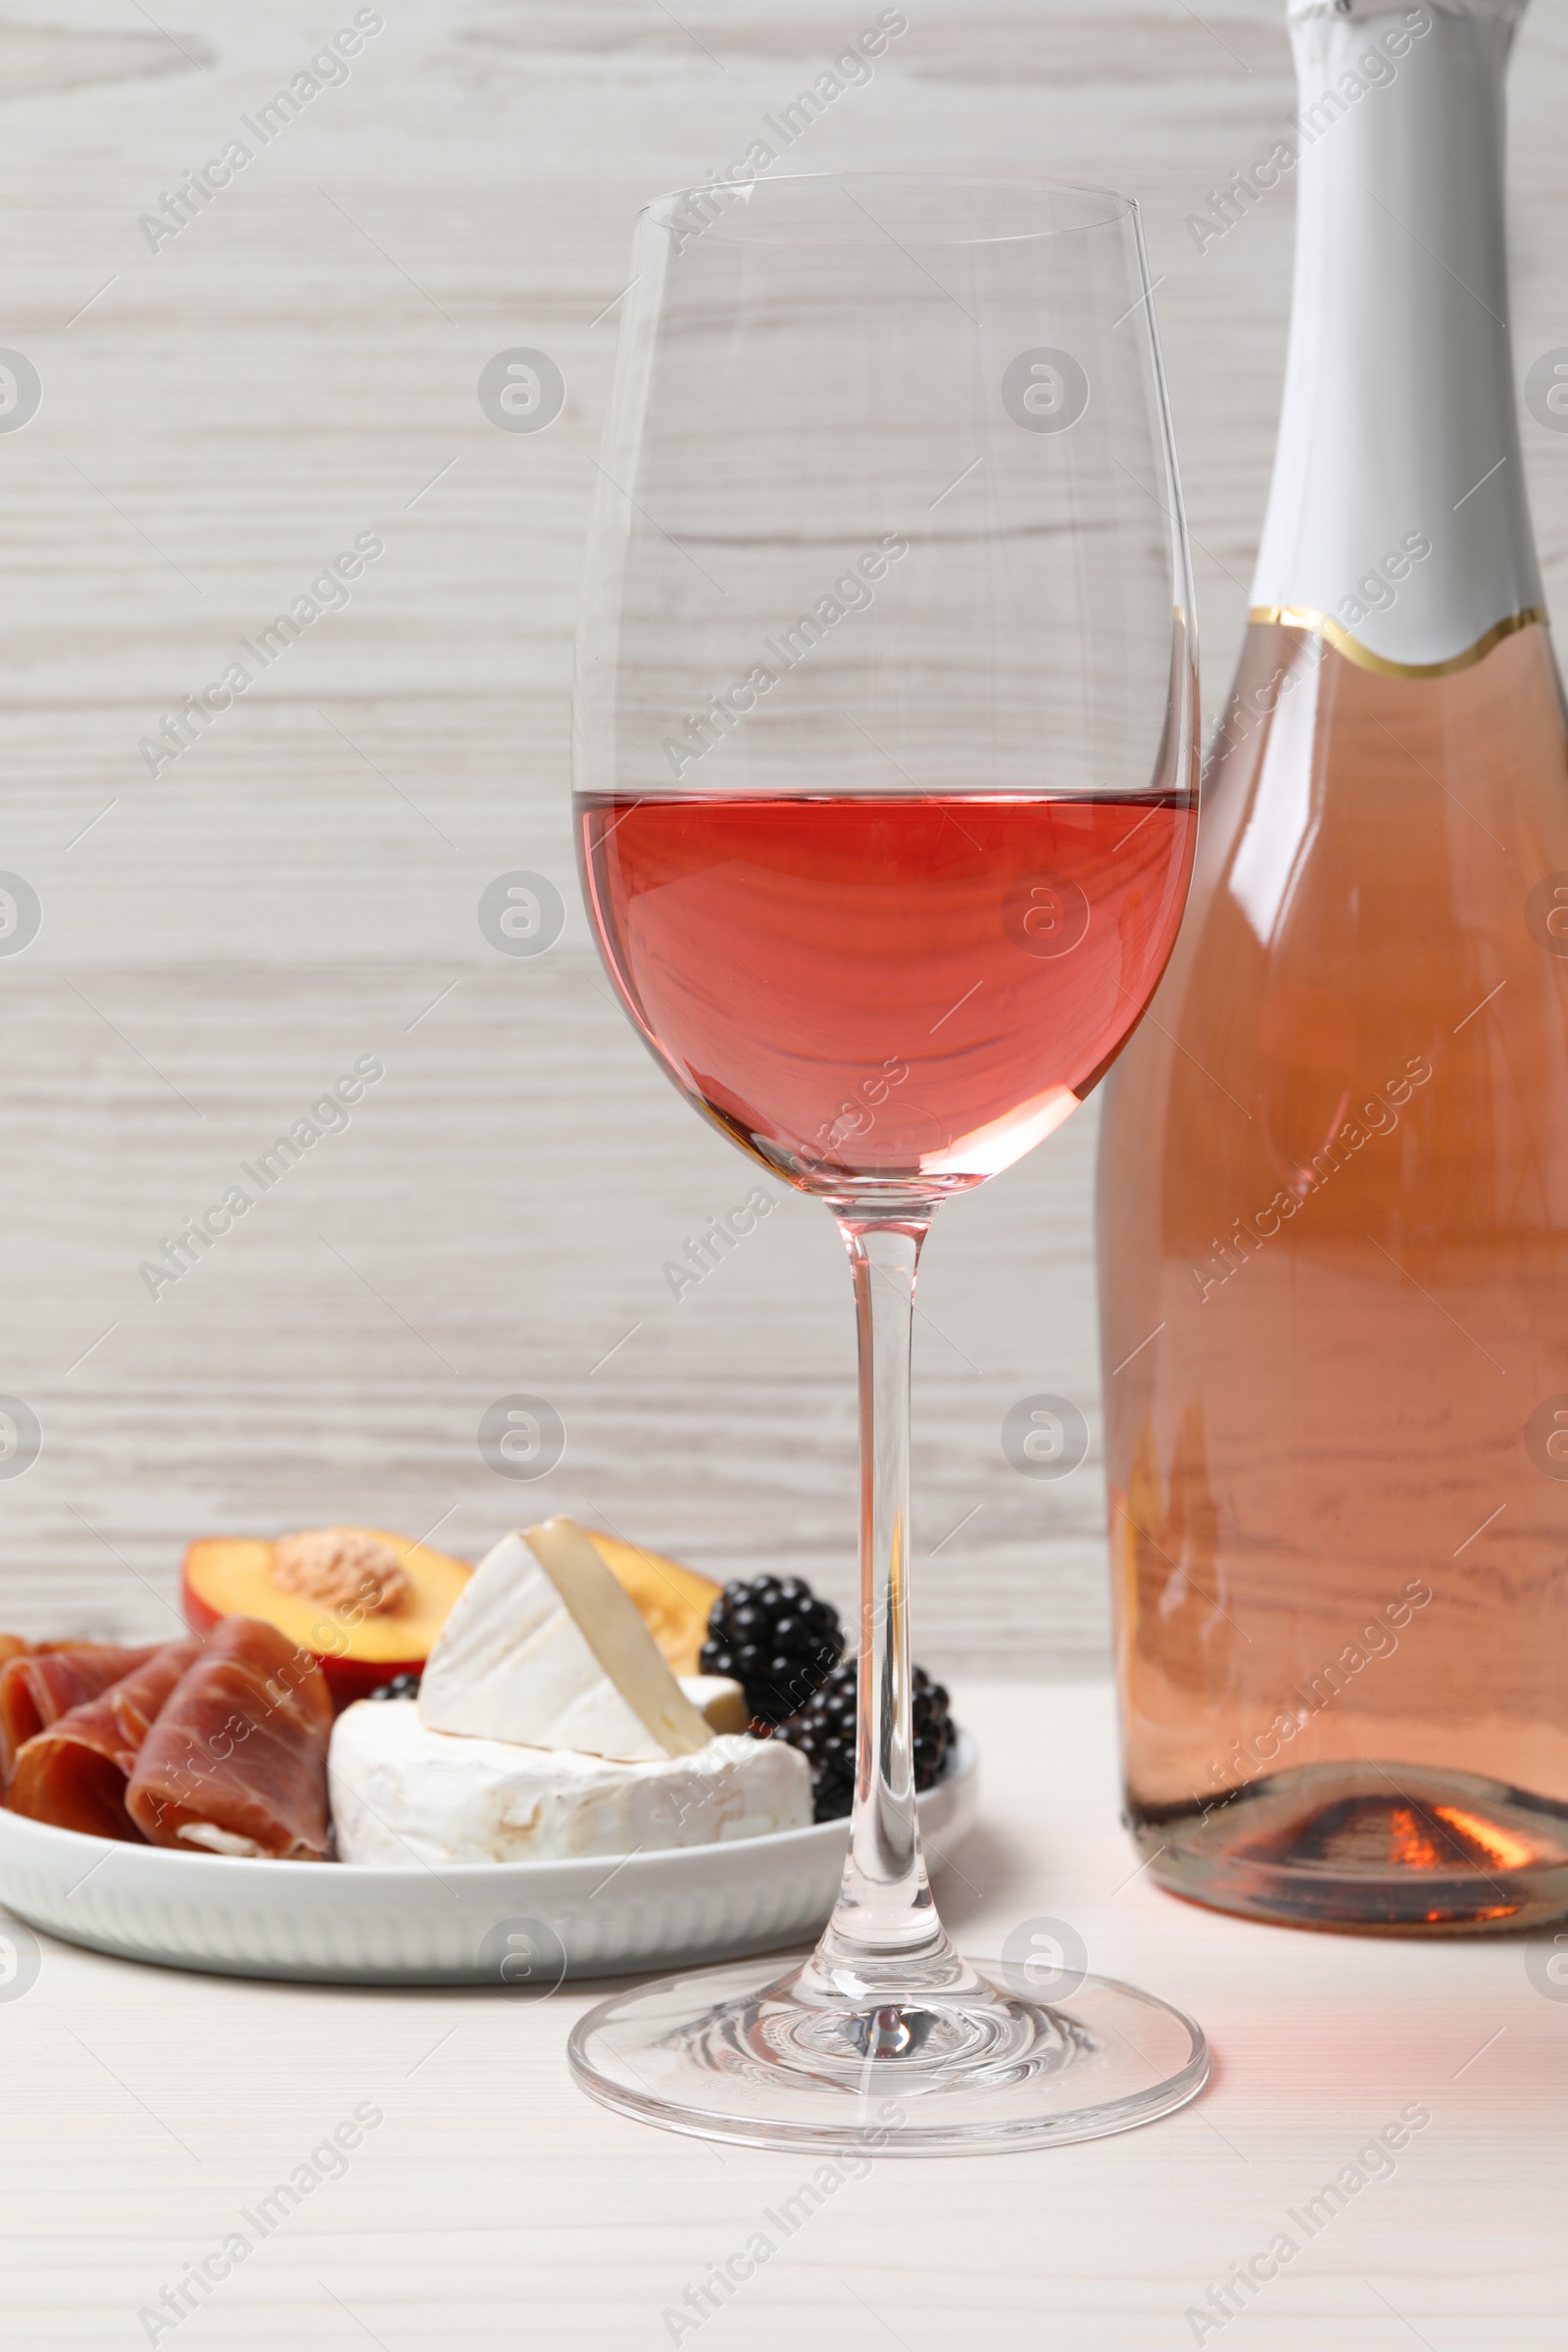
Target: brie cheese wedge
<point x="404" y="1795"/>
<point x="546" y="1646"/>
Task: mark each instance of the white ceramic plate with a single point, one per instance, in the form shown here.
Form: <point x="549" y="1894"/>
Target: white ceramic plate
<point x="526" y="1924"/>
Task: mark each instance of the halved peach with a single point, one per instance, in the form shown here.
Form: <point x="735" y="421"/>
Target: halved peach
<point x="232" y="1575"/>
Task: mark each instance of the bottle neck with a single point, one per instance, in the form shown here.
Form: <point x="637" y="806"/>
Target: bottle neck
<point x="1398" y="523"/>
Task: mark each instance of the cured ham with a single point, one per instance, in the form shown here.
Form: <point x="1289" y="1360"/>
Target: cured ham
<point x="36" y="1690"/>
<point x="75" y="1773"/>
<point x="236" y="1761"/>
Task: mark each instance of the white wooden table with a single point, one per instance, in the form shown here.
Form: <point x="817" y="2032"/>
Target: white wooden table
<point x="148" y="2115"/>
<point x="220" y="416"/>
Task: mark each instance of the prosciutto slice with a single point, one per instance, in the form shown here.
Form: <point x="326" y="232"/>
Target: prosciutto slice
<point x="236" y="1761"/>
<point x="75" y="1773"/>
<point x="37" y="1691"/>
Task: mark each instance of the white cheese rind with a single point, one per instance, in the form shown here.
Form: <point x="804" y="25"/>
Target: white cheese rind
<point x="512" y="1662"/>
<point x="618" y="1633"/>
<point x="404" y="1795"/>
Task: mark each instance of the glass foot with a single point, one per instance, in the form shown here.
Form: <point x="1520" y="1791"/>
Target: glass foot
<point x="761" y="2051"/>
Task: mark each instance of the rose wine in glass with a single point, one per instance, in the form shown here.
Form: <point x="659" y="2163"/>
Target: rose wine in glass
<point x="1335" y="1169"/>
<point x="772" y="950"/>
<point x="885" y="760"/>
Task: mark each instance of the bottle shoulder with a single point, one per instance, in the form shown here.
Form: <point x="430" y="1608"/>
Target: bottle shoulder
<point x="1382" y="886"/>
<point x="1311" y="739"/>
<point x="1348" y="815"/>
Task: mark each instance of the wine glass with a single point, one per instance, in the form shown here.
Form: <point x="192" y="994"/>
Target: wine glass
<point x="885" y="756"/>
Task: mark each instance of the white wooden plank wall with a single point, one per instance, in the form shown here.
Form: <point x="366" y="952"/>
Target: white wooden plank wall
<point x="218" y="420"/>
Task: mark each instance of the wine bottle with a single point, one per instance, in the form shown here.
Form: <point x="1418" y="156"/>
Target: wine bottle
<point x="1333" y="1165"/>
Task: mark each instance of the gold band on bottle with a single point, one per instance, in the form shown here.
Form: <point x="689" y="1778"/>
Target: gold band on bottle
<point x="1324" y="625"/>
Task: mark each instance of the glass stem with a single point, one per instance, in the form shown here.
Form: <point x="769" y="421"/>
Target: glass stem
<point x="884" y="1935"/>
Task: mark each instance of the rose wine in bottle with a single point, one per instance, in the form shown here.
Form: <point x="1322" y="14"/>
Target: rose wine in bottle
<point x="1334" y="1173"/>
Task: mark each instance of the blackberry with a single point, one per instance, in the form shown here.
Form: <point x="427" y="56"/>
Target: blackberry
<point x="402" y="1686"/>
<point x="824" y="1732"/>
<point x="776" y="1639"/>
<point x="934" y="1730"/>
